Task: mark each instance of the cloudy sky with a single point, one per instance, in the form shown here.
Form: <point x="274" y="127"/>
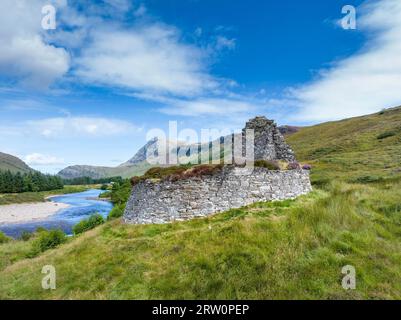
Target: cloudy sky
<point x="88" y="91"/>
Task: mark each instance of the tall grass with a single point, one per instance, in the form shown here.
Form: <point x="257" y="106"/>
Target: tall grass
<point x="293" y="249"/>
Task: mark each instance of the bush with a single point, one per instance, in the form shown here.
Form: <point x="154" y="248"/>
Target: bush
<point x="105" y="195"/>
<point x="197" y="171"/>
<point x="121" y="192"/>
<point x="25" y="235"/>
<point x="4" y="238"/>
<point x="367" y="179"/>
<point x="88" y="224"/>
<point x="385" y="135"/>
<point x="104" y="187"/>
<point x="175" y="173"/>
<point x="116" y="212"/>
<point x="271" y="165"/>
<point x="47" y="240"/>
<point x="294" y="166"/>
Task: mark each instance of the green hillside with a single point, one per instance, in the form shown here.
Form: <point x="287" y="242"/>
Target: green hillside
<point x="9" y="162"/>
<point x="97" y="172"/>
<point x="359" y="149"/>
<point x="294" y="249"/>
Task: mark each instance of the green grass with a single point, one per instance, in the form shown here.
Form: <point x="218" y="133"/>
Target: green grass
<point x="281" y="250"/>
<point x="25" y="197"/>
<point x="9" y="162"/>
<point x="350" y="149"/>
<point x="293" y="249"/>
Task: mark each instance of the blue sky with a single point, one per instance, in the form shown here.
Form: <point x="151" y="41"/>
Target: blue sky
<point x="89" y="91"/>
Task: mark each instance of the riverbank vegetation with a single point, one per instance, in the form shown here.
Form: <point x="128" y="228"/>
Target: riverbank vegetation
<point x="88" y="180"/>
<point x="27" y="197"/>
<point x="88" y="224"/>
<point x="28" y="182"/>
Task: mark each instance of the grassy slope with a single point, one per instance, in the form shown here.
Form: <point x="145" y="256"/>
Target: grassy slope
<point x="350" y="149"/>
<point x="102" y="172"/>
<point x="291" y="249"/>
<point x="9" y="162"/>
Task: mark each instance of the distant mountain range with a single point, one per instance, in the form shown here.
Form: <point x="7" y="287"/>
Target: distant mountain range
<point x="138" y="164"/>
<point x="361" y="145"/>
<point x="14" y="164"/>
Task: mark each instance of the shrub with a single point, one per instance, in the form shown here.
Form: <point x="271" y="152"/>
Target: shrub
<point x="386" y="134"/>
<point x="160" y="173"/>
<point x="197" y="171"/>
<point x="4" y="238"/>
<point x="88" y="224"/>
<point x="121" y="192"/>
<point x="175" y="173"/>
<point x="25" y="235"/>
<point x="47" y="240"/>
<point x="116" y="212"/>
<point x="321" y="182"/>
<point x="40" y="229"/>
<point x="105" y="195"/>
<point x="271" y="165"/>
<point x="294" y="166"/>
<point x="104" y="187"/>
<point x="367" y="179"/>
<point x="307" y="167"/>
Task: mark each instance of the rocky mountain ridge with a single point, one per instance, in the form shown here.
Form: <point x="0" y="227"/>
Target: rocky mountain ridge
<point x="138" y="164"/>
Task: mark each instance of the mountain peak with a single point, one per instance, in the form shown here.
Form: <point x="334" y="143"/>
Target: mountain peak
<point x="14" y="164"/>
<point x="150" y="149"/>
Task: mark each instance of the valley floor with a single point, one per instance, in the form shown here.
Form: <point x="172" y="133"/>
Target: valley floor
<point x="15" y="213"/>
<point x="42" y="196"/>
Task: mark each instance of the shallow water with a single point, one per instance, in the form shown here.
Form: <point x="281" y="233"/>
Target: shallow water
<point x="81" y="207"/>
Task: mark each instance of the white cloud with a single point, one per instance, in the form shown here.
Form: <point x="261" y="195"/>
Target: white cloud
<point x="122" y="5"/>
<point x="198" y="32"/>
<point x="80" y="126"/>
<point x="21" y="104"/>
<point x="140" y="11"/>
<point x="24" y="56"/>
<point x="38" y="159"/>
<point x="225" y="43"/>
<point x="149" y="58"/>
<point x="365" y="82"/>
<point x="210" y="106"/>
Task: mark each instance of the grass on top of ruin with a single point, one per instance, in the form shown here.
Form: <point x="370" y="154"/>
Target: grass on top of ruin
<point x="181" y="172"/>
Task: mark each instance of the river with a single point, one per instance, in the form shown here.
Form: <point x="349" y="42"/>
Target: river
<point x="81" y="206"/>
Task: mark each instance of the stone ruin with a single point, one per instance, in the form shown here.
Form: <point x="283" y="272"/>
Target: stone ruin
<point x="232" y="187"/>
<point x="269" y="143"/>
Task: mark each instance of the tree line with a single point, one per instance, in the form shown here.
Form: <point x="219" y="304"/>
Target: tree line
<point x="89" y="180"/>
<point x="28" y="182"/>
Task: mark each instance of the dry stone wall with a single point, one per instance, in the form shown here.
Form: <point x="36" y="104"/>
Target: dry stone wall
<point x="269" y="143"/>
<point x="233" y="187"/>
